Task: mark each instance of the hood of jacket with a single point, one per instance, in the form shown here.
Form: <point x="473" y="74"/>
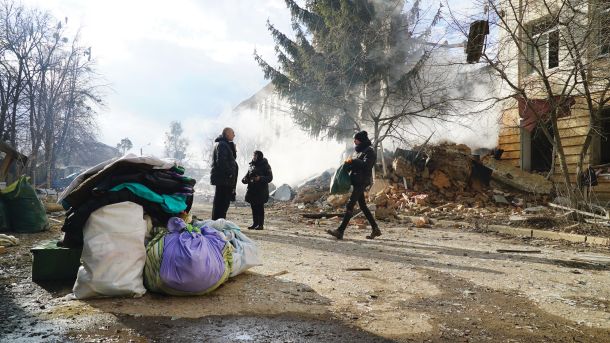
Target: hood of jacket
<point x="221" y="138"/>
<point x="259" y="162"/>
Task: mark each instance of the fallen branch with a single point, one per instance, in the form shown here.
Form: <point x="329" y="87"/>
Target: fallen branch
<point x="584" y="213"/>
<point x="358" y="269"/>
<point x="573" y="226"/>
<point x="283" y="272"/>
<point x="321" y="215"/>
<point x="519" y="251"/>
<point x="604" y="222"/>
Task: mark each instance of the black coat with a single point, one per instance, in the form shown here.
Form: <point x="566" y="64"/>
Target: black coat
<point x="224" y="166"/>
<point x="258" y="191"/>
<point x="362" y="165"/>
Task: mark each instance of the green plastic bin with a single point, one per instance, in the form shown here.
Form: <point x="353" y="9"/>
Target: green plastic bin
<point x="53" y="263"/>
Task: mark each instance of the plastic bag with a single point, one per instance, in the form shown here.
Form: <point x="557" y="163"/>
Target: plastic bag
<point x="341" y="183"/>
<point x="25" y="211"/>
<point x="113" y="253"/>
<point x="245" y="251"/>
<point x="186" y="260"/>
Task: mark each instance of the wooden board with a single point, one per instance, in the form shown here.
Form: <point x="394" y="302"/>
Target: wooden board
<point x="509" y="139"/>
<point x="509" y="155"/>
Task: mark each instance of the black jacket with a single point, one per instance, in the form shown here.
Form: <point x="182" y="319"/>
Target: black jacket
<point x="362" y="165"/>
<point x="258" y="191"/>
<point x="224" y="166"/>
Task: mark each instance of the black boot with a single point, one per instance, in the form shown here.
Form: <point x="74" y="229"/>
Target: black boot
<point x="338" y="233"/>
<point x="261" y="218"/>
<point x="376" y="233"/>
<point x="254" y="218"/>
<point x="258" y="216"/>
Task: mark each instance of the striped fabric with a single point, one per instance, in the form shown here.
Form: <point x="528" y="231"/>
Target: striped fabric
<point x="154" y="256"/>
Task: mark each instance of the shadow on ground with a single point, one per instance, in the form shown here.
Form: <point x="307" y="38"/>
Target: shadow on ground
<point x="220" y="329"/>
<point x="246" y="294"/>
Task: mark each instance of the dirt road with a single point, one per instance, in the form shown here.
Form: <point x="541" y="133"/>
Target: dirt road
<point x="432" y="284"/>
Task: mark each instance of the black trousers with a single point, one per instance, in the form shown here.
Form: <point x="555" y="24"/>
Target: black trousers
<point x="222" y="201"/>
<point x="258" y="214"/>
<point x="357" y="197"/>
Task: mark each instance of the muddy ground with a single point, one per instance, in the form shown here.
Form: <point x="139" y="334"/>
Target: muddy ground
<point x="437" y="284"/>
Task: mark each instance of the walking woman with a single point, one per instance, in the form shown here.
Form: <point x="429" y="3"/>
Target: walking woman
<point x="258" y="178"/>
<point x="361" y="176"/>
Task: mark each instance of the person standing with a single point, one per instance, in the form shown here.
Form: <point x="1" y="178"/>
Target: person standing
<point x="224" y="173"/>
<point x="258" y="178"/>
<point x="361" y="176"/>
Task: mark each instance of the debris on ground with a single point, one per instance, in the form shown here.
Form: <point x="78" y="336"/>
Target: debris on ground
<point x="448" y="182"/>
<point x="8" y="241"/>
<point x="314" y="189"/>
<point x="283" y="193"/>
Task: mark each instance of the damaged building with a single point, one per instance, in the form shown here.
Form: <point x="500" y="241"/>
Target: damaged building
<point x="545" y="61"/>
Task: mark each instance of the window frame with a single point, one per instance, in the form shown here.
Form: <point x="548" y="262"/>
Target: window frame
<point x="546" y="28"/>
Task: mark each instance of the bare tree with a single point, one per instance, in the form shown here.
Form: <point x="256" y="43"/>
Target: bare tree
<point x="552" y="57"/>
<point x="175" y="143"/>
<point x="124" y="145"/>
<point x="48" y="87"/>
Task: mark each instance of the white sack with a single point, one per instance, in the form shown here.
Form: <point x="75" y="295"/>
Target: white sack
<point x="113" y="253"/>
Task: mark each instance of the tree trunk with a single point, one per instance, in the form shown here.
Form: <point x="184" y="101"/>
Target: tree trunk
<point x="581" y="156"/>
<point x="17" y="95"/>
<point x="562" y="160"/>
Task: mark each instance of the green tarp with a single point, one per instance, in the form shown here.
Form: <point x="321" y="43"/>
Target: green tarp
<point x="24" y="210"/>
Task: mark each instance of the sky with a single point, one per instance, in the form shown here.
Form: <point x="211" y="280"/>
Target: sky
<point x="185" y="60"/>
<point x="181" y="60"/>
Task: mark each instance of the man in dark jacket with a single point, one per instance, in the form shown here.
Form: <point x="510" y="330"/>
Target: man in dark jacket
<point x="224" y="173"/>
<point x="361" y="175"/>
<point x="258" y="178"/>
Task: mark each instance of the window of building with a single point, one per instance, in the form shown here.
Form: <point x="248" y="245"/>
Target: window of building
<point x="545" y="41"/>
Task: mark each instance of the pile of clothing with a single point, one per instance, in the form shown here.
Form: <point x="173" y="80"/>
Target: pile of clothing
<point x="131" y="217"/>
<point x="158" y="186"/>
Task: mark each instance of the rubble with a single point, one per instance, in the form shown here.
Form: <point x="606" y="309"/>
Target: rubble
<point x="516" y="178"/>
<point x="282" y="193"/>
<point x="309" y="195"/>
<point x="421" y="222"/>
<point x="314" y="189"/>
<point x="446" y="182"/>
<point x="338" y="200"/>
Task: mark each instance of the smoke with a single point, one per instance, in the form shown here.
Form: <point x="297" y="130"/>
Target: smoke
<point x="473" y="112"/>
<point x="292" y="153"/>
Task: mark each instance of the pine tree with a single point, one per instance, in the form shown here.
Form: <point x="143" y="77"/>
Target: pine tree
<point x="353" y="65"/>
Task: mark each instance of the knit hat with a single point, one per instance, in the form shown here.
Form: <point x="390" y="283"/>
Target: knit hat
<point x="362" y="136"/>
<point x="259" y="154"/>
